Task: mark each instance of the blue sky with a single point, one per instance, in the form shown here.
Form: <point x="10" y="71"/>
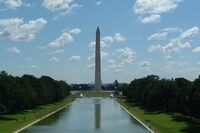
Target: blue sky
<point x="138" y="37"/>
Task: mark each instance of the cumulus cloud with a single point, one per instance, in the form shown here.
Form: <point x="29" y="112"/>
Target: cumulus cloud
<point x="16" y="30"/>
<point x="175" y="45"/>
<point x="54" y="59"/>
<point x="118" y="37"/>
<point x="91" y="66"/>
<point x="14" y="50"/>
<point x="58" y="51"/>
<point x="127" y="54"/>
<point x="34" y="66"/>
<point x="145" y="64"/>
<point x="171" y="29"/>
<point x="75" y="58"/>
<point x="107" y="40"/>
<point x="113" y="66"/>
<point x="65" y="38"/>
<point x="153" y="9"/>
<point x="158" y="36"/>
<point x="62" y="40"/>
<point x="168" y="57"/>
<point x="155" y="18"/>
<point x="12" y="4"/>
<point x="61" y="6"/>
<point x="153" y="48"/>
<point x="30" y="66"/>
<point x="196" y="50"/>
<point x="170" y="65"/>
<point x="75" y="31"/>
<point x="190" y="33"/>
<point x="104" y="55"/>
<point x="162" y="34"/>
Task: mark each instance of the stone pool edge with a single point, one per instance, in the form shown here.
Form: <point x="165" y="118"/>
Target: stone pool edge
<point x="23" y="128"/>
<point x="150" y="130"/>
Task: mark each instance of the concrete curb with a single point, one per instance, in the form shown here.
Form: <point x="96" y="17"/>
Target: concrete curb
<point x="19" y="130"/>
<point x="150" y="130"/>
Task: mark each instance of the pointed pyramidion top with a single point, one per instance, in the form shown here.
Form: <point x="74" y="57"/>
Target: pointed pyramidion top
<point x="98" y="28"/>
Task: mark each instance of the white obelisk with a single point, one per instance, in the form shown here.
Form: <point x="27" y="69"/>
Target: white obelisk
<point x="98" y="61"/>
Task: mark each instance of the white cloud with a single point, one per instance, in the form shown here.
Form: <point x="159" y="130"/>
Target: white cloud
<point x="92" y="45"/>
<point x="58" y="51"/>
<point x="98" y="3"/>
<point x="91" y="57"/>
<point x="62" y="6"/>
<point x="12" y="4"/>
<point x="113" y="66"/>
<point x="175" y="45"/>
<point x="30" y="66"/>
<point x="145" y="64"/>
<point x="75" y="58"/>
<point x="171" y="29"/>
<point x="152" y="7"/>
<point x="54" y="59"/>
<point x="41" y="47"/>
<point x="91" y="66"/>
<point x="65" y="38"/>
<point x="168" y="57"/>
<point x="34" y="66"/>
<point x="107" y="40"/>
<point x="127" y="54"/>
<point x="154" y="18"/>
<point x="62" y="40"/>
<point x="14" y="50"/>
<point x="196" y="50"/>
<point x="190" y="33"/>
<point x="104" y="55"/>
<point x="162" y="34"/>
<point x="158" y="36"/>
<point x="119" y="38"/>
<point x="16" y="30"/>
<point x="171" y="65"/>
<point x="75" y="31"/>
<point x="153" y="48"/>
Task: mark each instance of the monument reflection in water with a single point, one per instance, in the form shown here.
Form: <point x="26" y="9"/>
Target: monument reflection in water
<point x="97" y="112"/>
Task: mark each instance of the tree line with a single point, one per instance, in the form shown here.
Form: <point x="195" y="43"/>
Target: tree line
<point x="169" y="95"/>
<point x="27" y="91"/>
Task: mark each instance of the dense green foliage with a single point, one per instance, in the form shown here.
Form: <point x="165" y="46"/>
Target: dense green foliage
<point x="19" y="93"/>
<point x="176" y="95"/>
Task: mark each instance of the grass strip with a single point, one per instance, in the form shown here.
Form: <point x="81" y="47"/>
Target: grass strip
<point x="12" y="122"/>
<point x="161" y="122"/>
<point x="96" y="94"/>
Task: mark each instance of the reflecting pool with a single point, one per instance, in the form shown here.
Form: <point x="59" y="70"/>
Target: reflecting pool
<point x="89" y="115"/>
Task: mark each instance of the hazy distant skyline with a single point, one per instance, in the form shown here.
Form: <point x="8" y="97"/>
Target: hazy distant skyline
<point x="139" y="37"/>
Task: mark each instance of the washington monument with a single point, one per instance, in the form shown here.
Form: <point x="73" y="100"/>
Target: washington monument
<point x="98" y="61"/>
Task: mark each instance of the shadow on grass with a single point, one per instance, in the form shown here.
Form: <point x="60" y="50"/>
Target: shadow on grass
<point x="7" y="118"/>
<point x="192" y="127"/>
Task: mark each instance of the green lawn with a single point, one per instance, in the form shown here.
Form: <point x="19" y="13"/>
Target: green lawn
<point x="96" y="94"/>
<point x="162" y="122"/>
<point x="10" y="123"/>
